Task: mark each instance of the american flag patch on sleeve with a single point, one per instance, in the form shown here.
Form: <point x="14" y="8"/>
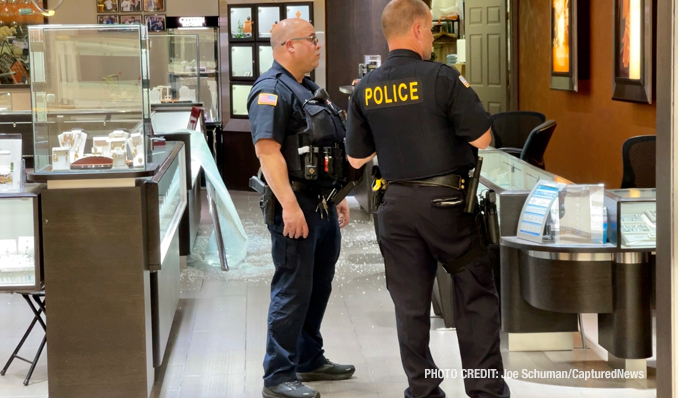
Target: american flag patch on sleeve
<point x="464" y="82"/>
<point x="268" y="99"/>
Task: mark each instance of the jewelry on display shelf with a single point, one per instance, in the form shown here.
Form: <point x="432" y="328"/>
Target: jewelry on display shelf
<point x="78" y="150"/>
<point x="136" y="146"/>
<point x="100" y="146"/>
<point x="119" y="158"/>
<point x="6" y="167"/>
<point x="118" y="144"/>
<point x="60" y="159"/>
<point x="66" y="139"/>
<point x="119" y="134"/>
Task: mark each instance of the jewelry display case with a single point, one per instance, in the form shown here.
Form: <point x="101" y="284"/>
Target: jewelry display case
<point x="632" y="218"/>
<point x="174" y="66"/>
<point x="208" y="53"/>
<point x="20" y="257"/>
<point x="90" y="99"/>
<point x="166" y="193"/>
<point x="503" y="172"/>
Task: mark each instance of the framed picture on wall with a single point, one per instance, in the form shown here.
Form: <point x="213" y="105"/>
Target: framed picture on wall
<point x="107" y="6"/>
<point x="108" y="19"/>
<point x="569" y="43"/>
<point x="634" y="50"/>
<point x="130" y="5"/>
<point x="156" y="23"/>
<point x="131" y="19"/>
<point x="154" y="5"/>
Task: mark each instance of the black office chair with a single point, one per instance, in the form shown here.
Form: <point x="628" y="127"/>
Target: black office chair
<point x="537" y="142"/>
<point x="511" y="129"/>
<point x="639" y="155"/>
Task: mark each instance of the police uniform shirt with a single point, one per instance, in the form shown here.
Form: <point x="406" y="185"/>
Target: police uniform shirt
<point x="418" y="116"/>
<point x="273" y="109"/>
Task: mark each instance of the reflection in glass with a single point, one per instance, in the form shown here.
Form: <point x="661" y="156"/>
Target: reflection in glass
<point x="241" y="23"/>
<point x="265" y="58"/>
<point x="561" y="36"/>
<point x="268" y="17"/>
<point x="243" y="61"/>
<point x="239" y="93"/>
<point x="303" y="12"/>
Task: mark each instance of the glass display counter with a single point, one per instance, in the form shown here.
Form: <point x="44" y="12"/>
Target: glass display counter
<point x="90" y="98"/>
<point x="174" y="64"/>
<point x="632" y="218"/>
<point x="503" y="172"/>
<point x="167" y="199"/>
<point x="20" y="261"/>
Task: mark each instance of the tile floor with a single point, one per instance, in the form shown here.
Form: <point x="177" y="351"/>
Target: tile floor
<point x="217" y="342"/>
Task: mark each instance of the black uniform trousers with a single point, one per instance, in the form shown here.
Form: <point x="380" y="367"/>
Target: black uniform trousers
<point x="300" y="290"/>
<point x="414" y="237"/>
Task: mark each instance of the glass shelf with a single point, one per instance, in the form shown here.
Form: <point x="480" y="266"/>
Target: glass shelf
<point x="242" y="61"/>
<point x="239" y="94"/>
<point x="265" y="53"/>
<point x="241" y="22"/>
<point x="268" y="16"/>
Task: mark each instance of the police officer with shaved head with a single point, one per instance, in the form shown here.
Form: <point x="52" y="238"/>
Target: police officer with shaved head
<point x="426" y="123"/>
<point x="298" y="134"/>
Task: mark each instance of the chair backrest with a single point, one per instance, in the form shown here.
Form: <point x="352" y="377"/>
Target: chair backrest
<point x="538" y="140"/>
<point x="511" y="129"/>
<point x="639" y="155"/>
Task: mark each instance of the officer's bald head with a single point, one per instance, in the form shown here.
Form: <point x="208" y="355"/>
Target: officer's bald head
<point x="289" y="29"/>
<point x="294" y="46"/>
<point x="399" y="17"/>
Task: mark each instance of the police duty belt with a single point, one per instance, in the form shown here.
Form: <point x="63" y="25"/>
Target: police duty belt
<point x="448" y="181"/>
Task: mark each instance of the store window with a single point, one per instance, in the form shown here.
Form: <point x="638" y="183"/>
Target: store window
<point x="250" y="48"/>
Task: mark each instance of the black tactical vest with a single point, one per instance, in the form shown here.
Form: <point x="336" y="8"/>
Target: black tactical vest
<point x="324" y="130"/>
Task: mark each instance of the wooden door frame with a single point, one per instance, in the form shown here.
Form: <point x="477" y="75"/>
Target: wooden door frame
<point x="514" y="14"/>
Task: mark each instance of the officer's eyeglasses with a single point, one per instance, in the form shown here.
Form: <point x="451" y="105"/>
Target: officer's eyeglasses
<point x="312" y="38"/>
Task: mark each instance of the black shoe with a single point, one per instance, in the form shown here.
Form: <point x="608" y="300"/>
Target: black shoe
<point x="329" y="371"/>
<point x="290" y="389"/>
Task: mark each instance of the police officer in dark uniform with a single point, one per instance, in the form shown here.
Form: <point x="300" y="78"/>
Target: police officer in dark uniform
<point x="298" y="136"/>
<point x="426" y="123"/>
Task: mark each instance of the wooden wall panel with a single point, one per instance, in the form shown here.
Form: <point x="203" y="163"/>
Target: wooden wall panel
<point x="353" y="30"/>
<point x="586" y="146"/>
